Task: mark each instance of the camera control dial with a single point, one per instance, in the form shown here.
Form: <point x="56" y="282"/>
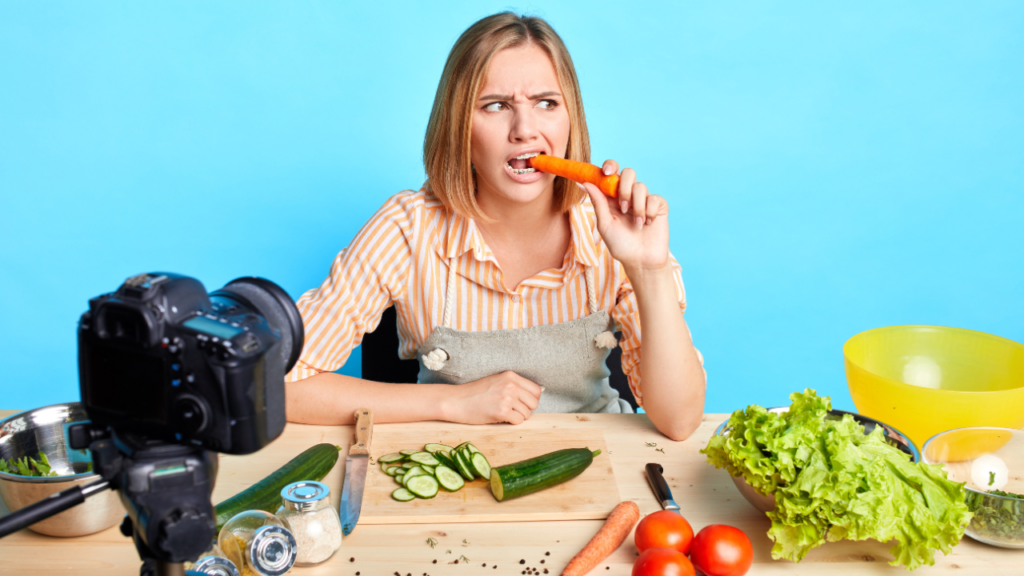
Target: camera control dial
<point x="190" y="414"/>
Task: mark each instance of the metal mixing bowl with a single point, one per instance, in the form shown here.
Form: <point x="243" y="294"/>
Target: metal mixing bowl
<point x="45" y="430"/>
<point x="893" y="436"/>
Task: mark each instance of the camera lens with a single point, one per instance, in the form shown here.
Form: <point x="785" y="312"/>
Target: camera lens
<point x="274" y="304"/>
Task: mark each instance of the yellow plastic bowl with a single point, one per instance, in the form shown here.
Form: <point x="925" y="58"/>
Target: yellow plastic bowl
<point x="928" y="379"/>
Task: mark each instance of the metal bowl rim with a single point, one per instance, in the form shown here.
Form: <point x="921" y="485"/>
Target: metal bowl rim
<point x="45" y="479"/>
<point x="997" y="497"/>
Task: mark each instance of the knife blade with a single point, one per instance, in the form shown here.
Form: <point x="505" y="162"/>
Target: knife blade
<point x="356" y="464"/>
<point x="660" y="487"/>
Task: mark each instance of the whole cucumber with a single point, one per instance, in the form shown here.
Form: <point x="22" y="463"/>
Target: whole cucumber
<point x="529" y="476"/>
<point x="313" y="464"/>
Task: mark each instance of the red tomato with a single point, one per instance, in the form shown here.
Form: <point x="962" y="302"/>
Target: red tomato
<point x="664" y="529"/>
<point x="720" y="550"/>
<point x="662" y="562"/>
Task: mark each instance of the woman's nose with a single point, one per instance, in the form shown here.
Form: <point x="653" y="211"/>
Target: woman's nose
<point x="524" y="127"/>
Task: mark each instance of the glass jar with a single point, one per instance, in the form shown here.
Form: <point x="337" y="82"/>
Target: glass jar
<point x="258" y="543"/>
<point x="306" y="510"/>
<point x="213" y="563"/>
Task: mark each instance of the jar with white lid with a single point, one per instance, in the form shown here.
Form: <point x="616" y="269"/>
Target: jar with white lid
<point x="307" y="511"/>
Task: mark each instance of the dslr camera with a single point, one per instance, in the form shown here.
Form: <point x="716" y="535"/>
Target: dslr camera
<point x="162" y="359"/>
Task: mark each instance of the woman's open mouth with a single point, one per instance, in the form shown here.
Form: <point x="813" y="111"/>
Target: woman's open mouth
<point x="521" y="164"/>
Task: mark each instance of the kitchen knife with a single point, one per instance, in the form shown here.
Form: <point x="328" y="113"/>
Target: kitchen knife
<point x="660" y="487"/>
<point x="355" y="471"/>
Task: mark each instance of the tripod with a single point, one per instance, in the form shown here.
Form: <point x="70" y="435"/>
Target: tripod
<point x="165" y="488"/>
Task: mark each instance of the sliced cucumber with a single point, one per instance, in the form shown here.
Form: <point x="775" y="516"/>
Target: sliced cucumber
<point x="392" y="470"/>
<point x="409" y="465"/>
<point x="423" y="486"/>
<point x="389" y="458"/>
<point x="472" y="448"/>
<point x="464" y="468"/>
<point x="461" y="446"/>
<point x="481" y="466"/>
<point x="417" y="471"/>
<point x="407" y="452"/>
<point x="447" y="459"/>
<point x="429" y="469"/>
<point x="448" y="479"/>
<point x="434" y="448"/>
<point x="399" y="479"/>
<point x="424" y="458"/>
<point x="402" y="495"/>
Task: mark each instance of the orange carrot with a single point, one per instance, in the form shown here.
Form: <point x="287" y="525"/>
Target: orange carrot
<point x="607" y="540"/>
<point x="577" y="172"/>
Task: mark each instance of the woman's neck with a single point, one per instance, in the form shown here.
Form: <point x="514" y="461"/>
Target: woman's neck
<point x="526" y="238"/>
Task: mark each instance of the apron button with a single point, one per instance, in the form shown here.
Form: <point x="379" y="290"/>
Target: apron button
<point x="515" y="298"/>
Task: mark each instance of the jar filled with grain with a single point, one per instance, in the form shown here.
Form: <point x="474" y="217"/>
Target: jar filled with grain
<point x="307" y="511"/>
<point x="258" y="543"/>
<point x="213" y="563"/>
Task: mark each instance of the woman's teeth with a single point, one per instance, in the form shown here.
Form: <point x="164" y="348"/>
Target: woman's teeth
<point x="521" y="160"/>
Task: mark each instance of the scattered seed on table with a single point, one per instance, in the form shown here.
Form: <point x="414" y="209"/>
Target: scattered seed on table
<point x="547" y="553"/>
<point x="522" y="561"/>
<point x="542" y="561"/>
<point x="435" y="561"/>
<point x="545" y="570"/>
<point x="484" y="564"/>
<point x="351" y="559"/>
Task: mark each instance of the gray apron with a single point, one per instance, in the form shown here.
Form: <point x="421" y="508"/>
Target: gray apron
<point x="567" y="359"/>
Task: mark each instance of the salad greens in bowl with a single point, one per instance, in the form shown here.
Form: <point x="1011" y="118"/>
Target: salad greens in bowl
<point x="990" y="463"/>
<point x="833" y="478"/>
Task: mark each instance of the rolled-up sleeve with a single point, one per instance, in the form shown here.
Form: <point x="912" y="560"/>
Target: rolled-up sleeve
<point x="627" y="318"/>
<point x="365" y="278"/>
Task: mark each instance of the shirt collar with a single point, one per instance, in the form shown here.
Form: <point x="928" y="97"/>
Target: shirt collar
<point x="462" y="235"/>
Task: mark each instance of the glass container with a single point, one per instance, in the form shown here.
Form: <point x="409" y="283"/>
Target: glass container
<point x="258" y="543"/>
<point x="307" y="511"/>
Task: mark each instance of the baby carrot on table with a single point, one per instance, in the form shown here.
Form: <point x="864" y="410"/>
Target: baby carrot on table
<point x="577" y="172"/>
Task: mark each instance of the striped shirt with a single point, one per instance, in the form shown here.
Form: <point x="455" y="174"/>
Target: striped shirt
<point x="400" y="257"/>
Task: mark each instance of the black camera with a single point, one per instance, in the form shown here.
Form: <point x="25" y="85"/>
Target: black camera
<point x="162" y="359"/>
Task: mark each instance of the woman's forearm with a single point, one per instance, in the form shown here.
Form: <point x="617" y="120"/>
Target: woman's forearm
<point x="330" y="398"/>
<point x="673" y="380"/>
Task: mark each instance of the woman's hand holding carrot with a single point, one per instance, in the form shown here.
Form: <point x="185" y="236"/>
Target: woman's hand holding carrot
<point x="635" y="224"/>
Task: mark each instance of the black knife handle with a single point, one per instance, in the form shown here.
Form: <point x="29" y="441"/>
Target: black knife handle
<point x="657" y="481"/>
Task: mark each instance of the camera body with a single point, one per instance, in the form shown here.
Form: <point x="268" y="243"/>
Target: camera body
<point x="163" y="359"/>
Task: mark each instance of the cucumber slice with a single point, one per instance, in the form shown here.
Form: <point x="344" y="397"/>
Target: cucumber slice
<point x="392" y="470"/>
<point x="429" y="469"/>
<point x="424" y="458"/>
<point x="417" y="471"/>
<point x="481" y="466"/>
<point x="461" y="446"/>
<point x="399" y="479"/>
<point x="409" y="465"/>
<point x="402" y="495"/>
<point x="448" y="479"/>
<point x="464" y="468"/>
<point x="472" y="448"/>
<point x="434" y="448"/>
<point x="407" y="452"/>
<point x="423" y="486"/>
<point x="447" y="459"/>
<point x="389" y="458"/>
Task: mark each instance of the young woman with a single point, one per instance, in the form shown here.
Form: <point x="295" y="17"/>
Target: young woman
<point x="507" y="281"/>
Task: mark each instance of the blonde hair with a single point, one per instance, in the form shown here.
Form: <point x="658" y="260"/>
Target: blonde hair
<point x="447" y="155"/>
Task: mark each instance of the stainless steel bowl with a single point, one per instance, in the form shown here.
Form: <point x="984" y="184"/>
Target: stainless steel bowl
<point x="45" y="430"/>
<point x="766" y="503"/>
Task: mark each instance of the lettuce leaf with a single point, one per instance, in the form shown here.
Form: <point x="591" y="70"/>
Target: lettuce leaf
<point x="831" y="481"/>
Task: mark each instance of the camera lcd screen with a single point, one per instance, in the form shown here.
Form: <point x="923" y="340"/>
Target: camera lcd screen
<point x="212" y="327"/>
<point x="126" y="382"/>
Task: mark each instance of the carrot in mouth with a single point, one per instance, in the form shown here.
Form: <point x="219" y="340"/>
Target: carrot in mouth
<point x="577" y="172"/>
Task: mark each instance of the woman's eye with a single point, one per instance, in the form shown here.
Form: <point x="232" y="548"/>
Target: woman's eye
<point x="547" y="104"/>
<point x="495" y="107"/>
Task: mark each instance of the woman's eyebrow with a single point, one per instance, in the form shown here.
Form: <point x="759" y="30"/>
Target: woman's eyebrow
<point x="509" y="97"/>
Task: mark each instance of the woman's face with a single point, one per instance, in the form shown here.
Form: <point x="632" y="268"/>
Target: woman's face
<point x="520" y="112"/>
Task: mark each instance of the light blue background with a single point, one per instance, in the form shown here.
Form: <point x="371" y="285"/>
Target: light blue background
<point x="829" y="169"/>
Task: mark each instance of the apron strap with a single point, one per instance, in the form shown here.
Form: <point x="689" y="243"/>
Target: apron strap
<point x="449" y="294"/>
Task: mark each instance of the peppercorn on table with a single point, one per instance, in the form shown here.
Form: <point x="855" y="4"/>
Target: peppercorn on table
<point x="705" y="495"/>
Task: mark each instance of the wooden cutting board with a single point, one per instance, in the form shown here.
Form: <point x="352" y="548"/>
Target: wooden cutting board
<point x="591" y="495"/>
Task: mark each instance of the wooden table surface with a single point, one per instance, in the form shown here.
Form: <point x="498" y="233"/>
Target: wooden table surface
<point x="706" y="495"/>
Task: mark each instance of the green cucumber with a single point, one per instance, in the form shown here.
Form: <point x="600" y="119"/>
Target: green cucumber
<point x="529" y="476"/>
<point x="403" y="495"/>
<point x="424" y="458"/>
<point x="313" y="464"/>
<point x="407" y="452"/>
<point x="433" y="448"/>
<point x="422" y="486"/>
<point x="463" y="467"/>
<point x="428" y="468"/>
<point x="389" y="458"/>
<point x="472" y="449"/>
<point x="480" y="465"/>
<point x="448" y="479"/>
<point x="392" y="470"/>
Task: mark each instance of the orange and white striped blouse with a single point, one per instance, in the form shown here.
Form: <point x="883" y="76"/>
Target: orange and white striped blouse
<point x="401" y="257"/>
